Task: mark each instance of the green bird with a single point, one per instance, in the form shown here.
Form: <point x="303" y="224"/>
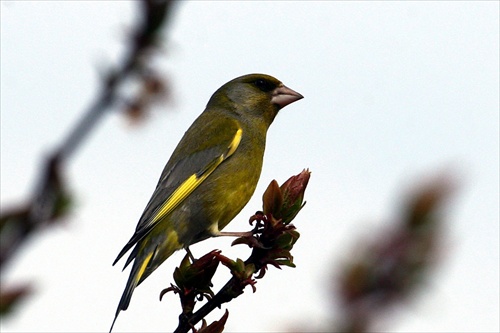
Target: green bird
<point x="210" y="176"/>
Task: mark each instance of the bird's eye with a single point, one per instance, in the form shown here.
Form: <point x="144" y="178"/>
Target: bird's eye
<point x="264" y="85"/>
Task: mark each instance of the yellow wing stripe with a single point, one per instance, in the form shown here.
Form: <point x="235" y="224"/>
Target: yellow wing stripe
<point x="190" y="184"/>
<point x="235" y="143"/>
<point x="143" y="267"/>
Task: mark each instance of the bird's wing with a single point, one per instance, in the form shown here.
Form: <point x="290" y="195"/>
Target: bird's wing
<point x="177" y="183"/>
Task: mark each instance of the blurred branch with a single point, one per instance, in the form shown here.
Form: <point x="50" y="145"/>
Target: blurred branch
<point x="143" y="42"/>
<point x="9" y="297"/>
<point x="50" y="199"/>
<point x="390" y="269"/>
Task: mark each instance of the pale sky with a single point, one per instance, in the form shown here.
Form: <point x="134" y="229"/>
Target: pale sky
<point x="394" y="92"/>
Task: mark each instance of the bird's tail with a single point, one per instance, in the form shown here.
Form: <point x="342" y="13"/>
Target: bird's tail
<point x="146" y="257"/>
<point x="137" y="275"/>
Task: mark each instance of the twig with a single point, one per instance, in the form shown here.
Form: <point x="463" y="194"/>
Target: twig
<point x="49" y="199"/>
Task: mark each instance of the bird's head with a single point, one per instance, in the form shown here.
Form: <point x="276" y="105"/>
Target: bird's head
<point x="253" y="96"/>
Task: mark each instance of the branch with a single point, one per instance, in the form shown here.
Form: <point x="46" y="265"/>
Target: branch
<point x="390" y="268"/>
<point x="50" y="199"/>
<point x="271" y="240"/>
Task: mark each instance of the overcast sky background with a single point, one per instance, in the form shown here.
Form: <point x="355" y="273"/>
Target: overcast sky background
<point x="394" y="92"/>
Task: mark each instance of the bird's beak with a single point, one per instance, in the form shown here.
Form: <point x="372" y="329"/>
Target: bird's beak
<point x="282" y="96"/>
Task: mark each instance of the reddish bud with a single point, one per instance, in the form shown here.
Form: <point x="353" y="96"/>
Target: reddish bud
<point x="293" y="195"/>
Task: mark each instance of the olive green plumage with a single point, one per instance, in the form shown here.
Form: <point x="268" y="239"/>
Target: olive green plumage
<point x="210" y="176"/>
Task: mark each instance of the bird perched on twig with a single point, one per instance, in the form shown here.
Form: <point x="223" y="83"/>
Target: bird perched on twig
<point x="210" y="176"/>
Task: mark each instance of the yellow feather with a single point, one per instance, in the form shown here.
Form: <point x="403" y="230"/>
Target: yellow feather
<point x="235" y="143"/>
<point x="190" y="184"/>
<point x="143" y="267"/>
